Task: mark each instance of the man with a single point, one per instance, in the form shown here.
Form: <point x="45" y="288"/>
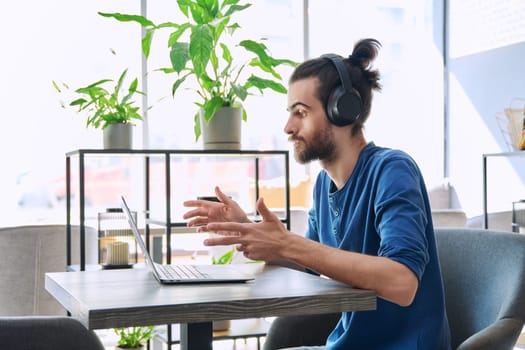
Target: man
<point x="370" y="224"/>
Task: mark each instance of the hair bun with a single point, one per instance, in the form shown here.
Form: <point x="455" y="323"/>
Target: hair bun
<point x="355" y="61"/>
<point x="365" y="51"/>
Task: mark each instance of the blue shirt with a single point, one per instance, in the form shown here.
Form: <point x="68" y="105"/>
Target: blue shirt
<point x="383" y="210"/>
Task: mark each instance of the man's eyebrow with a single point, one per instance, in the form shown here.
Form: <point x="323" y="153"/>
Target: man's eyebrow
<point x="292" y="106"/>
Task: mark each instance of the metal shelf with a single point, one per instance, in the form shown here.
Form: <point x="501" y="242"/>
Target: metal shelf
<point x="166" y="156"/>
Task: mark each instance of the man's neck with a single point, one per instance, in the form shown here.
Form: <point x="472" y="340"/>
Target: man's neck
<point x="341" y="166"/>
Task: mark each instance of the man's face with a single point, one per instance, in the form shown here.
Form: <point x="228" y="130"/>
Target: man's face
<point x="308" y="126"/>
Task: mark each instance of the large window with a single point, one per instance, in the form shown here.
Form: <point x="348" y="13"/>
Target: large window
<point x="408" y="113"/>
<point x="69" y="42"/>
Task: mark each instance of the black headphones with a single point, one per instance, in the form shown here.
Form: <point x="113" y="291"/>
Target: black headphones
<point x="344" y="103"/>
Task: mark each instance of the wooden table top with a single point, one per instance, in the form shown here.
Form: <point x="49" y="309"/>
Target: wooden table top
<point x="133" y="297"/>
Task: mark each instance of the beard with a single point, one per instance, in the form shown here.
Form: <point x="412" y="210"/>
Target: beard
<point x="321" y="146"/>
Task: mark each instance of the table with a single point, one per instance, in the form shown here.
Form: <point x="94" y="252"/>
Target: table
<point x="132" y="297"/>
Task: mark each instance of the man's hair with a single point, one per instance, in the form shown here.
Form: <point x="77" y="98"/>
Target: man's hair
<point x="358" y="64"/>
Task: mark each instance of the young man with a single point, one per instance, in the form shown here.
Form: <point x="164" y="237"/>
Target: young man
<point x="370" y="224"/>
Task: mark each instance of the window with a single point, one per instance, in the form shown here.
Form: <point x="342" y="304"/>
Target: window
<point x="68" y="41"/>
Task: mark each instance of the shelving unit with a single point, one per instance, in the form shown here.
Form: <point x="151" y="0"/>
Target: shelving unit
<point x="164" y="161"/>
<point x="485" y="195"/>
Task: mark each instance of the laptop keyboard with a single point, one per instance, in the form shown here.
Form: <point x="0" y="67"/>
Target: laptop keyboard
<point x="180" y="272"/>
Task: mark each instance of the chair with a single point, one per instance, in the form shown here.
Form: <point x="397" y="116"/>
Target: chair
<point x="46" y="333"/>
<point x="292" y="331"/>
<point x="484" y="279"/>
<point x="28" y="252"/>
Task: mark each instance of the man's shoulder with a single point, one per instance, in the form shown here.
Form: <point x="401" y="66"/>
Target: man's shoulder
<point x="377" y="154"/>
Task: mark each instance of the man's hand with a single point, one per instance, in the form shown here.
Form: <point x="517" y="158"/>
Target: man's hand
<point x="206" y="212"/>
<point x="258" y="241"/>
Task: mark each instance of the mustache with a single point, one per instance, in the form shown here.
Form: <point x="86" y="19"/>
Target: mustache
<point x="295" y="138"/>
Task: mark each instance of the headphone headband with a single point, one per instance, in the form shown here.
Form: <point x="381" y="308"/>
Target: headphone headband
<point x="341" y="70"/>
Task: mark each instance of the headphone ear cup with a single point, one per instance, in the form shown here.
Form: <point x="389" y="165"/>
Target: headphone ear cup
<point x="343" y="108"/>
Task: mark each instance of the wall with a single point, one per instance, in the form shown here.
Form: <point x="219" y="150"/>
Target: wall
<point x="487" y="51"/>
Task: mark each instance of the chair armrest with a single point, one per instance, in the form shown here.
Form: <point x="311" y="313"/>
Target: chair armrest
<point x="502" y="334"/>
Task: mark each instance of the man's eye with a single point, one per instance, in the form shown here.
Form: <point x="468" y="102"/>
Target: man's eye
<point x="302" y="113"/>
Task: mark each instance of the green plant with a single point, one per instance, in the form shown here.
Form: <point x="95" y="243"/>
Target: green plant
<point x="225" y="258"/>
<point x="103" y="105"/>
<point x="133" y="337"/>
<point x="199" y="50"/>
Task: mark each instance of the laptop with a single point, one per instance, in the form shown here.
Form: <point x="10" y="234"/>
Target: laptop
<point x="176" y="274"/>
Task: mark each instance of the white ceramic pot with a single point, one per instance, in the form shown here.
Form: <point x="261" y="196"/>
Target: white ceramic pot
<point x="118" y="136"/>
<point x="223" y="132"/>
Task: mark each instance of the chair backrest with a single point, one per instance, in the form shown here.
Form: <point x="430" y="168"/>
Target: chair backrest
<point x="484" y="279"/>
<point x="27" y="253"/>
<point x="46" y="333"/>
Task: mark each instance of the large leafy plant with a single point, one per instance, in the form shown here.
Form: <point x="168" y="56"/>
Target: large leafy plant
<point x="200" y="51"/>
<point x="106" y="105"/>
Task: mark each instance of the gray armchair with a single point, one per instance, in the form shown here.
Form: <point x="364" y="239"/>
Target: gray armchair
<point x="46" y="333"/>
<point x="484" y="278"/>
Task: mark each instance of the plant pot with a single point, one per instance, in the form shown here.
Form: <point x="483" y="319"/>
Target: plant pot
<point x="223" y="131"/>
<point x="118" y="136"/>
<point x="221" y="325"/>
<point x="138" y="348"/>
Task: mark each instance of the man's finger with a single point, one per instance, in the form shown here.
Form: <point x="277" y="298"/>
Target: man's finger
<point x="266" y="214"/>
<point x="224" y="240"/>
<point x="221" y="195"/>
<point x="226" y="226"/>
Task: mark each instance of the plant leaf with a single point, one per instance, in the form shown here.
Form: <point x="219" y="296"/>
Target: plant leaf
<point x="225" y="258"/>
<point x="175" y="35"/>
<point x="262" y="84"/>
<point x="211" y="106"/>
<point x="143" y="21"/>
<point x="184" y="6"/>
<point x="57" y="88"/>
<point x="177" y="84"/>
<point x="179" y="56"/>
<point x="207" y="10"/>
<point x="197" y="125"/>
<point x="146" y="41"/>
<point x="229" y="2"/>
<point x="236" y="8"/>
<point x="240" y="91"/>
<point x="201" y="45"/>
<point x="78" y="101"/>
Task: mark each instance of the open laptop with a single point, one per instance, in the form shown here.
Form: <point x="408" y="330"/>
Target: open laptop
<point x="174" y="274"/>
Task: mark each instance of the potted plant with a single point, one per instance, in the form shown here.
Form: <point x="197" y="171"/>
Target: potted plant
<point x="108" y="108"/>
<point x="201" y="54"/>
<point x="133" y="337"/>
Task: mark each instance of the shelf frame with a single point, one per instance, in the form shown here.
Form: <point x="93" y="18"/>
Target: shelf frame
<point x="168" y="155"/>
